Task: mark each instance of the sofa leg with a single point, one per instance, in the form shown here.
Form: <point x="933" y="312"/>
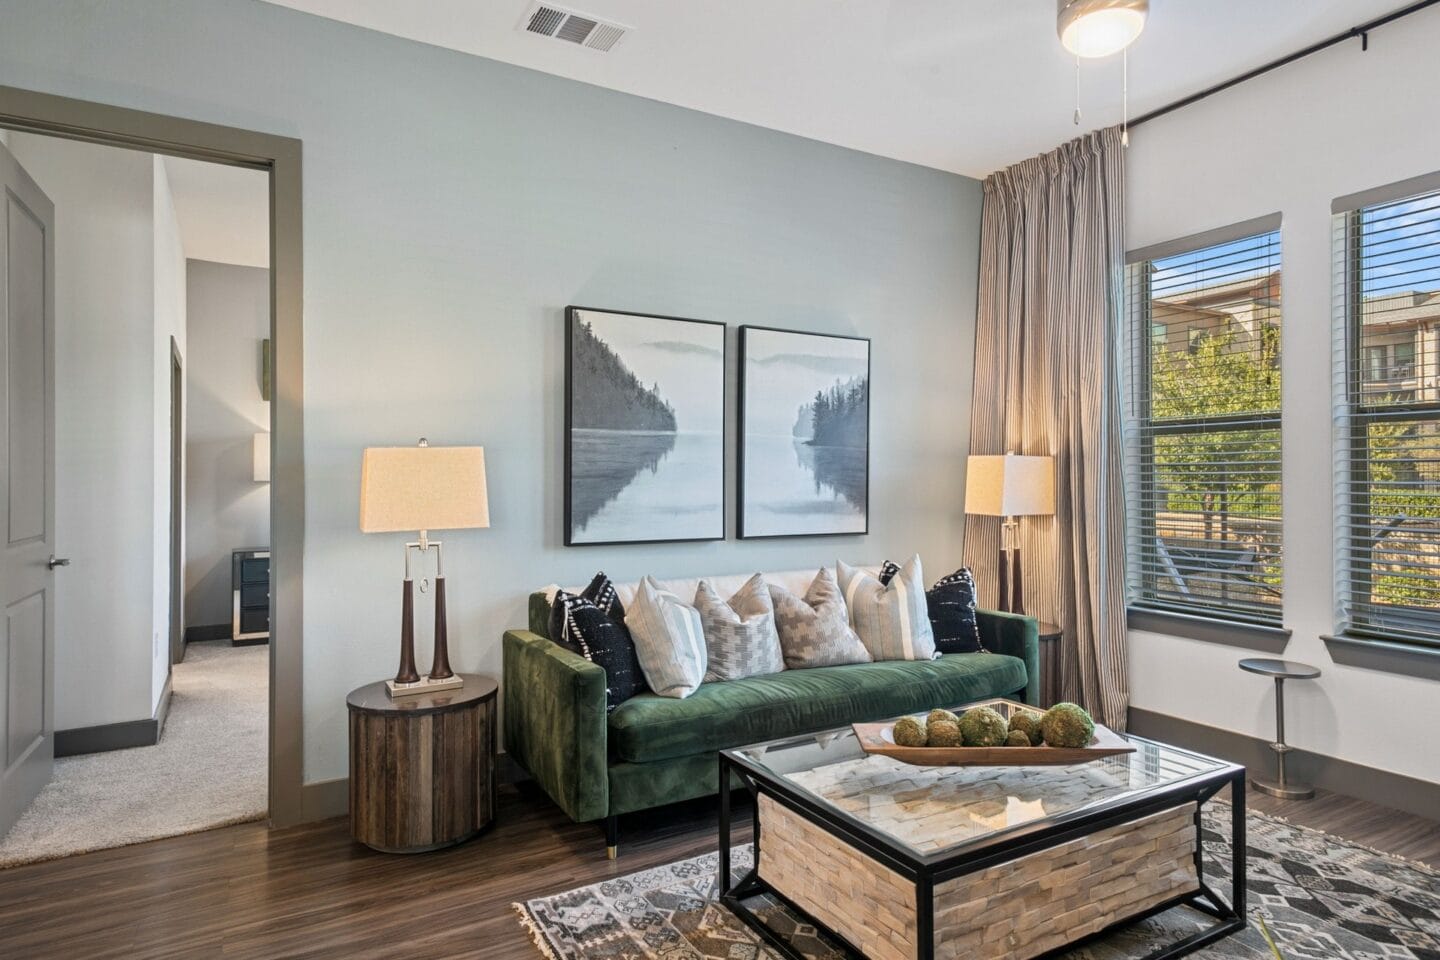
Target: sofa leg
<point x="612" y="837"/>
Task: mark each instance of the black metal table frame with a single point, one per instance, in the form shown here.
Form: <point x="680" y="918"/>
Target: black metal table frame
<point x="928" y="871"/>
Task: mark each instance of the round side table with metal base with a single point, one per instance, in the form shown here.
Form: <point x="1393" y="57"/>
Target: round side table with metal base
<point x="1281" y="670"/>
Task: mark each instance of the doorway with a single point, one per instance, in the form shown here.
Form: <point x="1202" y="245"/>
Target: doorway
<point x="280" y="159"/>
<point x="177" y="504"/>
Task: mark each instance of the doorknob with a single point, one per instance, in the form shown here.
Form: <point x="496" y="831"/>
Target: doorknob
<point x="55" y="561"/>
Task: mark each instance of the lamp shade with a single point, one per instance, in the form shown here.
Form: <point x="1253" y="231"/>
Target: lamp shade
<point x="1098" y="28"/>
<point x="1010" y="486"/>
<point x="423" y="488"/>
<point x="260" y="457"/>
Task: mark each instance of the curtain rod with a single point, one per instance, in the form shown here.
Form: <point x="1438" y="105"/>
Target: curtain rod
<point x="1362" y="32"/>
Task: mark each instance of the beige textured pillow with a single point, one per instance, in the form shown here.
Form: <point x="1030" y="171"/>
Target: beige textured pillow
<point x="815" y="631"/>
<point x="740" y="633"/>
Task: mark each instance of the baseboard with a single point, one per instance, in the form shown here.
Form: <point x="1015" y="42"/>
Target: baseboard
<point x="325" y="799"/>
<point x="115" y="736"/>
<point x="1395" y="790"/>
<point x="213" y="631"/>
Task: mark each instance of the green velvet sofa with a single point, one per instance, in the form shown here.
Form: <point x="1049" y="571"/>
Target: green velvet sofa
<point x="657" y="750"/>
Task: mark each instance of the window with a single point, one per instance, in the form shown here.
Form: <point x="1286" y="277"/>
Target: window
<point x="1388" y="418"/>
<point x="1203" y="426"/>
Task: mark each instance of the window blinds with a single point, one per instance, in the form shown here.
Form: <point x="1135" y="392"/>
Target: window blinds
<point x="1203" y="426"/>
<point x="1387" y="441"/>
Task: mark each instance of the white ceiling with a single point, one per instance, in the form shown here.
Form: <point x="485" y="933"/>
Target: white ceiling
<point x="968" y="86"/>
<point x="223" y="211"/>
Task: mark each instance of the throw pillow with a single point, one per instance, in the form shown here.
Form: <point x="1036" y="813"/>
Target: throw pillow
<point x="740" y="637"/>
<point x="601" y="592"/>
<point x="815" y="630"/>
<point x="890" y="618"/>
<point x="669" y="640"/>
<point x="581" y="627"/>
<point x="951" y="605"/>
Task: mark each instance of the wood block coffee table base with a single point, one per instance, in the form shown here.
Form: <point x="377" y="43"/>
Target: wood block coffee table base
<point x="1021" y="908"/>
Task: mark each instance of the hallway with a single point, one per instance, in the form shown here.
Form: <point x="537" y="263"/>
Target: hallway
<point x="208" y="770"/>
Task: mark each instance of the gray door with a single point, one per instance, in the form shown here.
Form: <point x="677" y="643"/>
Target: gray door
<point x="27" y="490"/>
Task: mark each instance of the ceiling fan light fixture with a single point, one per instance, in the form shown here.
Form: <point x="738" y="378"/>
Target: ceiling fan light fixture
<point x="1098" y="28"/>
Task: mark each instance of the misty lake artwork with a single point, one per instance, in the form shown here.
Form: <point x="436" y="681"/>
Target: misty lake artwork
<point x="805" y="435"/>
<point x="645" y="428"/>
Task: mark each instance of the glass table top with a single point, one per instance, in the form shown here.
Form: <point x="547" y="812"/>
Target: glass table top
<point x="932" y="810"/>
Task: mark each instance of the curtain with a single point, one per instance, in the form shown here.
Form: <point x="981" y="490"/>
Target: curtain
<point x="1046" y="383"/>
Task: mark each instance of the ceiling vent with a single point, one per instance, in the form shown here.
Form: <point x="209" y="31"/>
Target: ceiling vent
<point x="577" y="28"/>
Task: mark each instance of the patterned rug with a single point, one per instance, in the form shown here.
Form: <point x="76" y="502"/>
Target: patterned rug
<point x="1322" y="898"/>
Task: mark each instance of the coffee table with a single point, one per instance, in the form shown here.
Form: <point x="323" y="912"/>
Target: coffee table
<point x="902" y="862"/>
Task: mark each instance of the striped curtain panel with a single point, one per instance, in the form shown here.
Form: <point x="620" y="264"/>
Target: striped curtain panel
<point x="1051" y="280"/>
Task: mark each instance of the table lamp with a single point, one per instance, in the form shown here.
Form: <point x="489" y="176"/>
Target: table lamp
<point x="423" y="488"/>
<point x="1010" y="486"/>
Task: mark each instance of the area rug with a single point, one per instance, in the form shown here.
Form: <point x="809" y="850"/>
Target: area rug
<point x="208" y="770"/>
<point x="1321" y="897"/>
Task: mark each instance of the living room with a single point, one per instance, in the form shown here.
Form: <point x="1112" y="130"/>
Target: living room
<point x="958" y="218"/>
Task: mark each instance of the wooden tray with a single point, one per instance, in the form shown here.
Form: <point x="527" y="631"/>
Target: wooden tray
<point x="877" y="738"/>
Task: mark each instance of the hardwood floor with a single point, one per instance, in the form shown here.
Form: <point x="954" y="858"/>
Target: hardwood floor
<point x="246" y="892"/>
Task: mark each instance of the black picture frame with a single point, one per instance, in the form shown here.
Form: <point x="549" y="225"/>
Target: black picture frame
<point x="744" y="378"/>
<point x="571" y="507"/>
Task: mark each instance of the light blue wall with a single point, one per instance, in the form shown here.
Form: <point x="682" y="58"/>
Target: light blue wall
<point x="453" y="207"/>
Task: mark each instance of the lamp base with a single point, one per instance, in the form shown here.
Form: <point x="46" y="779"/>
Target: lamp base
<point x="423" y="685"/>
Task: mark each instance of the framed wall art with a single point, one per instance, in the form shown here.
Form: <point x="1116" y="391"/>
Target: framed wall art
<point x="644" y="428"/>
<point x="804" y="425"/>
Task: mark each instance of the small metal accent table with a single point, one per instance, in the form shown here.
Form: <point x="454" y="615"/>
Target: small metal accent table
<point x="1281" y="670"/>
<point x="422" y="768"/>
<point x="1050" y="636"/>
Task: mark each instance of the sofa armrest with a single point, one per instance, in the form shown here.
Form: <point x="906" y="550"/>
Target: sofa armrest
<point x="1016" y="636"/>
<point x="555" y="722"/>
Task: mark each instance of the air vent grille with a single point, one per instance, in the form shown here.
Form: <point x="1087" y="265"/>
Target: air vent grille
<point x="575" y="28"/>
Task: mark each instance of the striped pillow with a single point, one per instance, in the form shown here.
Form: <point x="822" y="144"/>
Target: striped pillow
<point x="669" y="640"/>
<point x="891" y="619"/>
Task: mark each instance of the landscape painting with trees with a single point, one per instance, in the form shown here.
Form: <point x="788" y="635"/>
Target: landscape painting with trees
<point x="645" y="428"/>
<point x="805" y="433"/>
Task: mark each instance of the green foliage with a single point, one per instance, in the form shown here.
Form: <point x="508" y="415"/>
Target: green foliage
<point x="1067" y="725"/>
<point x="909" y="732"/>
<point x="983" y="727"/>
<point x="943" y="733"/>
<point x="1027" y="722"/>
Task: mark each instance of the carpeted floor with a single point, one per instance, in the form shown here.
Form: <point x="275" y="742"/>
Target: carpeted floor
<point x="1322" y="898"/>
<point x="208" y="770"/>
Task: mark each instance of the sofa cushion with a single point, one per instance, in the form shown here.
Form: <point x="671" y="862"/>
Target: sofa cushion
<point x="738" y="712"/>
<point x="740" y="636"/>
<point x="669" y="639"/>
<point x="815" y="629"/>
<point x="890" y="616"/>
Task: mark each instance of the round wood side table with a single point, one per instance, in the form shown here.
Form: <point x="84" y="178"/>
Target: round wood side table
<point x="1050" y="635"/>
<point x="422" y="768"/>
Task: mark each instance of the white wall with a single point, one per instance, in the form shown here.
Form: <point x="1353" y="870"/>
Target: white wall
<point x="1292" y="141"/>
<point x="439" y="259"/>
<point x="169" y="293"/>
<point x="229" y="315"/>
<point x="105" y="473"/>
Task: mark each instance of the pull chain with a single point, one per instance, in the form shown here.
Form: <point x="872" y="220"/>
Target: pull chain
<point x="1125" y="99"/>
<point x="1077" y="90"/>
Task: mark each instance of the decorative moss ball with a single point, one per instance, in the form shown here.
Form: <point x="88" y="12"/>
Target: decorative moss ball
<point x="983" y="727"/>
<point x="1067" y="725"/>
<point x="1018" y="738"/>
<point x="943" y="733"/>
<point x="909" y="732"/>
<point x="1028" y="723"/>
<point x="941" y="715"/>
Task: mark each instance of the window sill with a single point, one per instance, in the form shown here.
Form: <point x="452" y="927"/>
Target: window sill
<point x="1387" y="656"/>
<point x="1247" y="636"/>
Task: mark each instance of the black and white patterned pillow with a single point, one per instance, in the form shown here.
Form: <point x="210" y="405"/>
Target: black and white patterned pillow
<point x="583" y="628"/>
<point x="951" y="603"/>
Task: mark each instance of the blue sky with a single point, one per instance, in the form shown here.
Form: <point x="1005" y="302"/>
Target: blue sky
<point x="1403" y="254"/>
<point x="1404" y="246"/>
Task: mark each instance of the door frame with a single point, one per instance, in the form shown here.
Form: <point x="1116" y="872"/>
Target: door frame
<point x="176" y="639"/>
<point x="30" y="112"/>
